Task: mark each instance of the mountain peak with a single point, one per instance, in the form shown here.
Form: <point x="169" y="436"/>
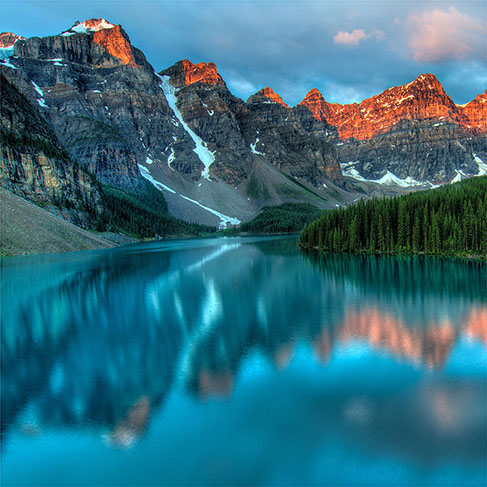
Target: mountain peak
<point x="206" y="73"/>
<point x="476" y="112"/>
<point x="110" y="37"/>
<point x="88" y="26"/>
<point x="267" y="95"/>
<point x="313" y="93"/>
<point x="8" y="39"/>
<point x="425" y="82"/>
<point x="185" y="73"/>
<point x="318" y="106"/>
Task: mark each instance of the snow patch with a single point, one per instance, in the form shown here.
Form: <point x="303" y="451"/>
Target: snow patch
<point x="36" y="87"/>
<point x="457" y="178"/>
<point x="145" y="173"/>
<point x="254" y="150"/>
<point x="5" y="63"/>
<point x="206" y="156"/>
<point x="83" y="28"/>
<point x="148" y="160"/>
<point x="482" y="166"/>
<point x="404" y="99"/>
<point x="171" y="158"/>
<point x="225" y="220"/>
<point x="210" y="112"/>
<point x="41" y="100"/>
<point x="6" y="52"/>
<point x="388" y="179"/>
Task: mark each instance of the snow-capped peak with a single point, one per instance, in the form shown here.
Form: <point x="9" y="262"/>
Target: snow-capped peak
<point x="88" y="26"/>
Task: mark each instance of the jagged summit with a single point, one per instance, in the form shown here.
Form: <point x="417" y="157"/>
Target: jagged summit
<point x="476" y="112"/>
<point x="426" y="81"/>
<point x="8" y="39"/>
<point x="318" y="106"/>
<point x="88" y="26"/>
<point x="185" y="73"/>
<point x="422" y="99"/>
<point x="266" y="95"/>
<point x="312" y="94"/>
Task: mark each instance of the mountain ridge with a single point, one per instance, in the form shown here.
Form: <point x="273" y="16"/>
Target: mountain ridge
<point x="218" y="159"/>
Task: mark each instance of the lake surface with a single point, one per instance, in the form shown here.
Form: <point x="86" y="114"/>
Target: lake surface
<point x="242" y="361"/>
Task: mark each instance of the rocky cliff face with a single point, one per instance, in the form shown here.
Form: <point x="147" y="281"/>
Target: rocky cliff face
<point x="237" y="132"/>
<point x="476" y="113"/>
<point x="414" y="131"/>
<point x="35" y="166"/>
<point x="181" y="129"/>
<point x="218" y="158"/>
<point x="276" y="132"/>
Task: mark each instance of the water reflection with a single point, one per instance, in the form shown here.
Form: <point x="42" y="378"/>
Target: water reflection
<point x="101" y="342"/>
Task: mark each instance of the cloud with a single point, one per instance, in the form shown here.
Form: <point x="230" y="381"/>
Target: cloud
<point x="352" y="39"/>
<point x="290" y="48"/>
<point x="437" y="35"/>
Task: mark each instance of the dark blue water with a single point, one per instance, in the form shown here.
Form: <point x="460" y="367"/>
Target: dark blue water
<point x="242" y="362"/>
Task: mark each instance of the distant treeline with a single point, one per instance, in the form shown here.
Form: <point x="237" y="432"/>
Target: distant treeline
<point x="286" y="218"/>
<point x="450" y="220"/>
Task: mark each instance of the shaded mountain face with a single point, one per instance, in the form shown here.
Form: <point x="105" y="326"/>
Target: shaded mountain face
<point x="35" y="166"/>
<point x="218" y="159"/>
<point x="181" y="129"/>
<point x="241" y="132"/>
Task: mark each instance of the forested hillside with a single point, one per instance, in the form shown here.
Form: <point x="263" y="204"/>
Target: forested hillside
<point x="450" y="220"/>
<point x="286" y="218"/>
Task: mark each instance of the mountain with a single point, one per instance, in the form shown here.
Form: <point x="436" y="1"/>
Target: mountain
<point x="180" y="129"/>
<point x="215" y="158"/>
<point x="35" y="166"/>
<point x="408" y="134"/>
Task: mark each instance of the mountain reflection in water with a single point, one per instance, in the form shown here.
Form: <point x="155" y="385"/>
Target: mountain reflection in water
<point x="102" y="341"/>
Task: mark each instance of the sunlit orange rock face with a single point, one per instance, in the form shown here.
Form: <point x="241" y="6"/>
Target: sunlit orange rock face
<point x="476" y="112"/>
<point x="267" y="94"/>
<point x="7" y="39"/>
<point x="115" y="43"/>
<point x="422" y="99"/>
<point x="205" y="73"/>
<point x="431" y="346"/>
<point x="476" y="325"/>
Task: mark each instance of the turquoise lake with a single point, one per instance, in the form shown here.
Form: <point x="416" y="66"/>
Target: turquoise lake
<point x="242" y="361"/>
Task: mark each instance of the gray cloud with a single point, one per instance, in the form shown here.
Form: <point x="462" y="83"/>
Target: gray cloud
<point x="286" y="45"/>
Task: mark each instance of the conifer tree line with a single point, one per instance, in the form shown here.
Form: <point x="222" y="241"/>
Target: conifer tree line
<point x="451" y="220"/>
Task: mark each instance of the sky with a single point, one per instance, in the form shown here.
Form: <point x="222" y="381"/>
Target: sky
<point x="349" y="50"/>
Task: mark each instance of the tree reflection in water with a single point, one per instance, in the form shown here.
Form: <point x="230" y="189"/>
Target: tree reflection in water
<point x="101" y="343"/>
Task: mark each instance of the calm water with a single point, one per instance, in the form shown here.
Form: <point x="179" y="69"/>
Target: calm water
<point x="242" y="361"/>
